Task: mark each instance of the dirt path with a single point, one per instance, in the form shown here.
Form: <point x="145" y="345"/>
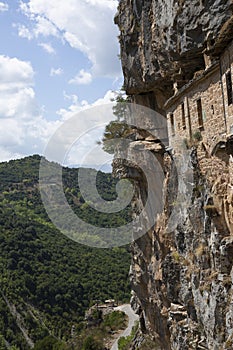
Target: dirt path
<point x="132" y="318"/>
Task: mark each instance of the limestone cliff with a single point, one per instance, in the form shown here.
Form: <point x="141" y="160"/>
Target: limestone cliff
<point x="181" y="276"/>
<point x="162" y="40"/>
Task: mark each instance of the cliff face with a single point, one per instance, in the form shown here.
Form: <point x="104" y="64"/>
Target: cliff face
<point x="181" y="271"/>
<point x="162" y="41"/>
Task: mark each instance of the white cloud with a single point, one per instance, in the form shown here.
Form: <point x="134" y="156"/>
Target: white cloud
<point x="48" y="48"/>
<point x="44" y="27"/>
<point x="86" y="25"/>
<point x="3" y="7"/>
<point x="40" y="26"/>
<point x="23" y="130"/>
<point x="84" y="149"/>
<point x="6" y="155"/>
<point x="15" y="71"/>
<point x="16" y="88"/>
<point x="77" y="106"/>
<point x="82" y="78"/>
<point x="56" y="71"/>
<point x="24" y="32"/>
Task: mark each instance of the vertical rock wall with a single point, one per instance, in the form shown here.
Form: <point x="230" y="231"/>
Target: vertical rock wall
<point x="181" y="269"/>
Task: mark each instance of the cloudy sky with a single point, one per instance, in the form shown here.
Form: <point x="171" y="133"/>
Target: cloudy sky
<point x="56" y="57"/>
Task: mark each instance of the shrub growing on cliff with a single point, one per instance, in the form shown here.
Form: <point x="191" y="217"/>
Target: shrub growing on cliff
<point x="114" y="131"/>
<point x="118" y="128"/>
<point x="197" y="135"/>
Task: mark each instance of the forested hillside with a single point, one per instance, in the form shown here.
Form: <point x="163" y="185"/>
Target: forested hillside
<point x="47" y="281"/>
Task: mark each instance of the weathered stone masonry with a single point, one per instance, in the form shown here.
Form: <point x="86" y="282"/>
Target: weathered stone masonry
<point x="204" y="107"/>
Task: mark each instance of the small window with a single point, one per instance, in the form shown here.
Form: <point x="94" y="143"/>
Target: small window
<point x="172" y="123"/>
<point x="212" y="108"/>
<point x="199" y="113"/>
<point x="183" y="116"/>
<point x="229" y="88"/>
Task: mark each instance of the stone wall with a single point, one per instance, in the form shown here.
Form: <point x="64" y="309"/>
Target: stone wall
<point x="208" y="90"/>
<point x="216" y="113"/>
<point x="226" y="62"/>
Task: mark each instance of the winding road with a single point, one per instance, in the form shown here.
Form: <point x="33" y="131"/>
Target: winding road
<point x="126" y="308"/>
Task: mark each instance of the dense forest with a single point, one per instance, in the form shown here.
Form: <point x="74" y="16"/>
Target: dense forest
<point x="47" y="281"/>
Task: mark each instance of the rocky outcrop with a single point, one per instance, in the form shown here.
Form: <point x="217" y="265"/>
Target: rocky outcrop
<point x="162" y="41"/>
<point x="181" y="271"/>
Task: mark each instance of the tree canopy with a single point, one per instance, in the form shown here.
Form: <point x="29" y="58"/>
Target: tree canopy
<point x="47" y="281"/>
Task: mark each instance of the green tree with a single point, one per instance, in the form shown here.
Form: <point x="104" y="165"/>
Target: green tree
<point x="91" y="344"/>
<point x="114" y="131"/>
<point x="115" y="320"/>
<point x="48" y="343"/>
<point x="118" y="128"/>
<point x="2" y="343"/>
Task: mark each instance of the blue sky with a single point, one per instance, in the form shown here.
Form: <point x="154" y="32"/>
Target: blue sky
<point x="56" y="58"/>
